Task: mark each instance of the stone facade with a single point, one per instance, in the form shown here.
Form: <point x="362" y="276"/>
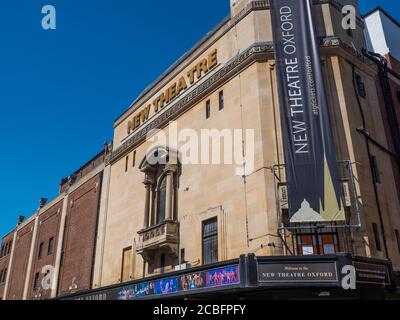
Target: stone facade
<point x="105" y="222"/>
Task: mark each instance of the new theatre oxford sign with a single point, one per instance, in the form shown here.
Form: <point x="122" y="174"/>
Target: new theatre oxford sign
<point x="177" y="88"/>
<point x="288" y="272"/>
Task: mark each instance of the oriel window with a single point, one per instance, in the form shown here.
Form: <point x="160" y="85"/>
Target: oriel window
<point x="210" y="241"/>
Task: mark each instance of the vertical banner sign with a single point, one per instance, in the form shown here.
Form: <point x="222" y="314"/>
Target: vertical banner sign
<point x="314" y="189"/>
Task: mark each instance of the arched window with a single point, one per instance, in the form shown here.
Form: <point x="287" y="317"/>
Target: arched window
<point x="161" y="201"/>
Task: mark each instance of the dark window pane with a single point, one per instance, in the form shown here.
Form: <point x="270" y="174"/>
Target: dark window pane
<point x="5" y="275"/>
<point x="50" y="247"/>
<point x="40" y="253"/>
<point x="208" y="109"/>
<point x="398" y="239"/>
<point x="375" y="170"/>
<point x="9" y="247"/>
<point x="360" y="87"/>
<point x="36" y="281"/>
<point x="162" y="198"/>
<point x="221" y="100"/>
<point x="210" y="241"/>
<point x="376" y="235"/>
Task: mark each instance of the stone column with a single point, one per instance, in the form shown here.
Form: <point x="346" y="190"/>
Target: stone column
<point x="169" y="197"/>
<point x="102" y="228"/>
<point x="54" y="284"/>
<point x="147" y="206"/>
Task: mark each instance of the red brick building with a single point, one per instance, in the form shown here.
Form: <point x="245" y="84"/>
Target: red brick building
<point x="57" y="242"/>
<point x="5" y="252"/>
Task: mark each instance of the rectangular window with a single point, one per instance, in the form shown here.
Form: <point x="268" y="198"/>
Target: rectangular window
<point x="360" y="87"/>
<point x="126" y="163"/>
<point x="5" y="250"/>
<point x="1" y="276"/>
<point x="50" y="248"/>
<point x="40" y="252"/>
<point x="36" y="281"/>
<point x="221" y="100"/>
<point x="126" y="264"/>
<point x="208" y="109"/>
<point x="5" y="275"/>
<point x="9" y="247"/>
<point x="397" y="239"/>
<point x="210" y="241"/>
<point x="134" y="159"/>
<point x="375" y="170"/>
<point x="376" y="236"/>
<point x="2" y="251"/>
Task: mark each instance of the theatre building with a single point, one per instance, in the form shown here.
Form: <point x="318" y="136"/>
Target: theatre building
<point x="172" y="223"/>
<point x="143" y="222"/>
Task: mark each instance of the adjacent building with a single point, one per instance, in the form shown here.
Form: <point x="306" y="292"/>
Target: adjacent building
<point x="127" y="227"/>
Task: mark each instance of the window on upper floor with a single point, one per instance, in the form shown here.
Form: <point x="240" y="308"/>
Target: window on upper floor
<point x="397" y="233"/>
<point x="376" y="237"/>
<point x="50" y="247"/>
<point x="134" y="158"/>
<point x="9" y="247"/>
<point x="375" y="170"/>
<point x="208" y="109"/>
<point x="36" y="281"/>
<point x="126" y="163"/>
<point x="360" y="86"/>
<point x="221" y="100"/>
<point x="40" y="251"/>
<point x="4" y="275"/>
<point x="161" y="181"/>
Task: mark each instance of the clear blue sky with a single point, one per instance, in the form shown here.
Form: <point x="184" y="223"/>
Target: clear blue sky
<point x="61" y="90"/>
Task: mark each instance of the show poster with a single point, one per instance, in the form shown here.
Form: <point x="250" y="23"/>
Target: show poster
<point x="314" y="189"/>
<point x="220" y="277"/>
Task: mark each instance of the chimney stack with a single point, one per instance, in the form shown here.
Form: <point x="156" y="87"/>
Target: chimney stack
<point x="20" y="220"/>
<point x="42" y="202"/>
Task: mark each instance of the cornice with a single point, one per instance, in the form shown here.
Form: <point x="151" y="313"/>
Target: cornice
<point x="195" y="52"/>
<point x="258" y="52"/>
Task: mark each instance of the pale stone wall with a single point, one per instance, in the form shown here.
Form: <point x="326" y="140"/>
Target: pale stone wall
<point x="246" y="208"/>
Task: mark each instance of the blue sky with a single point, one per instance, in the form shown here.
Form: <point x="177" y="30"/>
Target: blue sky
<point x="61" y="90"/>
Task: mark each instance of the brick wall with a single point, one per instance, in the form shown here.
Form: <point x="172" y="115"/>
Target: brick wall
<point x="4" y="261"/>
<point x="79" y="238"/>
<point x="20" y="262"/>
<point x="84" y="170"/>
<point x="48" y="228"/>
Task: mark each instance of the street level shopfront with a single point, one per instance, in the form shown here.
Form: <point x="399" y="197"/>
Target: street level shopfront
<point x="251" y="277"/>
